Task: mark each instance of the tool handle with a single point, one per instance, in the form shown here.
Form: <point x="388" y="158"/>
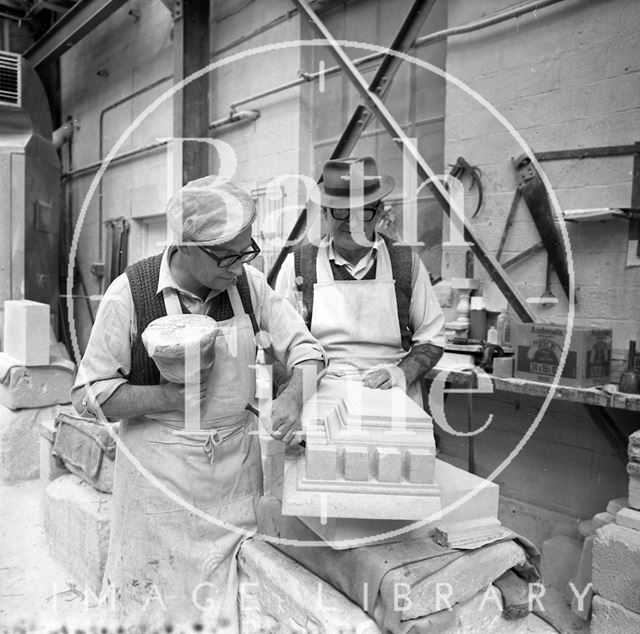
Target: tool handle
<point x="632" y="356"/>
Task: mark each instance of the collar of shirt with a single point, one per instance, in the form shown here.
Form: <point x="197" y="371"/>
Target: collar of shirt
<point x="165" y="280"/>
<point x="360" y="268"/>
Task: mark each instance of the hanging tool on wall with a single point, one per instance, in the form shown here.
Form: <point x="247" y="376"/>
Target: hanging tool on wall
<point x="535" y="195"/>
<point x="462" y="168"/>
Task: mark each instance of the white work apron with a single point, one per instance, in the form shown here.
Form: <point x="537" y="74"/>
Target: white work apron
<point x="356" y="321"/>
<point x="166" y="564"/>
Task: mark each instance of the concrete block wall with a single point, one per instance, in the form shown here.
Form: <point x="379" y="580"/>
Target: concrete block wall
<point x="107" y="80"/>
<point x="279" y="142"/>
<point x="565" y="77"/>
<point x="566" y="471"/>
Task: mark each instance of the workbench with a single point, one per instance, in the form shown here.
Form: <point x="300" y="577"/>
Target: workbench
<point x="287" y="586"/>
<point x="596" y="400"/>
<point x="604" y="396"/>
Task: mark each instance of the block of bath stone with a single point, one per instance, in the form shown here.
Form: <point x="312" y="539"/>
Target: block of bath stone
<point x="503" y="367"/>
<point x="633" y="451"/>
<point x="460" y="534"/>
<point x="629" y="518"/>
<point x="20" y="441"/>
<point x="36" y="386"/>
<point x="77" y="522"/>
<point x="634" y="492"/>
<point x="616" y="565"/>
<point x="421" y="465"/>
<point x="389" y="464"/>
<point x="356" y="463"/>
<point x="615" y="505"/>
<point x="26" y="331"/>
<point x="322" y="462"/>
<point x="634" y="438"/>
<point x="602" y="519"/>
<point x="611" y="618"/>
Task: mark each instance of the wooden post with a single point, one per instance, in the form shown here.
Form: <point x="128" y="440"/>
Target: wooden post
<point x="191" y="54"/>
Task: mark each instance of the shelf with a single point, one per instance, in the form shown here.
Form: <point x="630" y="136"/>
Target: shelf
<point x="603" y="396"/>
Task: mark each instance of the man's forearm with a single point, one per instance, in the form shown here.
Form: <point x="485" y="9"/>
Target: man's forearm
<point x="135" y="400"/>
<point x="419" y="361"/>
<point x="295" y="386"/>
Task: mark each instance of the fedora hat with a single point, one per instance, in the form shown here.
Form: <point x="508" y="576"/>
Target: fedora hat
<point x="337" y="188"/>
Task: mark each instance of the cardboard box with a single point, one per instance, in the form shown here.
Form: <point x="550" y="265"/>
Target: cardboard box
<point x="538" y="348"/>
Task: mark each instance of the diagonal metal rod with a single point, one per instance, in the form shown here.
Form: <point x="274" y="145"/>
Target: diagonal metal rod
<point x="496" y="272"/>
<point x="362" y="115"/>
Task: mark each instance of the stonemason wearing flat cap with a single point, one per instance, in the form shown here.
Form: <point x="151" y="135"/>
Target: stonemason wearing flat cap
<point x="184" y="498"/>
<point x="367" y="300"/>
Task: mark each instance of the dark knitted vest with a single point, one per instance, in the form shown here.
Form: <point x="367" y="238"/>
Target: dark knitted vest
<point x="149" y="305"/>
<point x="401" y="257"/>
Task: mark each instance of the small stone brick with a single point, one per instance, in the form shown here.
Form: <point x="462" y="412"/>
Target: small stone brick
<point x="629" y="518"/>
<point x="634" y="492"/>
<point x="389" y="464"/>
<point x="420" y="466"/>
<point x="356" y="463"/>
<point x="616" y="565"/>
<point x="26" y="331"/>
<point x="322" y="462"/>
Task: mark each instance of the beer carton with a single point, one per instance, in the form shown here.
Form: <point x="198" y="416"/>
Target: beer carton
<point x="538" y="348"/>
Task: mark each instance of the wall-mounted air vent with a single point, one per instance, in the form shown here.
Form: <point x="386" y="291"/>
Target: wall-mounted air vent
<point x="10" y="79"/>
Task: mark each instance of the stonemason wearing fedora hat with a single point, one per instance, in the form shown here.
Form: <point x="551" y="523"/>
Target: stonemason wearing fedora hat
<point x="185" y="490"/>
<point x="368" y="301"/>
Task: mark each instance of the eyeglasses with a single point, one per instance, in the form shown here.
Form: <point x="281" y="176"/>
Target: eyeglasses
<point x="225" y="261"/>
<point x="368" y="212"/>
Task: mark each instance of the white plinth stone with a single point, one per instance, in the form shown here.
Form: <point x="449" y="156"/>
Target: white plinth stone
<point x="370" y="454"/>
<point x="26" y="331"/>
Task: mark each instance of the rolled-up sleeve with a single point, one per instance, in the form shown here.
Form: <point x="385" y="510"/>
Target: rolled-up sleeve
<point x="106" y="362"/>
<point x="291" y="340"/>
<point x="426" y="318"/>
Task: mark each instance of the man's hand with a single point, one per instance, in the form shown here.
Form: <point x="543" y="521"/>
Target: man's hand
<point x="174" y="395"/>
<point x="285" y="418"/>
<point x="286" y="408"/>
<point x="385" y="378"/>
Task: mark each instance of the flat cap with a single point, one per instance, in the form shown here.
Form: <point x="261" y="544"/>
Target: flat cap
<point x="209" y="212"/>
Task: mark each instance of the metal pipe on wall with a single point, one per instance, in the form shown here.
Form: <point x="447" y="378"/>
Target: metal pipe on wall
<point x="5" y="35"/>
<point x="510" y="14"/>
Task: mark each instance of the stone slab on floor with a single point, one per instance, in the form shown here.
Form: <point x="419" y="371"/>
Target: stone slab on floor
<point x="37" y="386"/>
<point x="77" y="521"/>
<point x="616" y="565"/>
<point x="611" y="618"/>
<point x="20" y="441"/>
